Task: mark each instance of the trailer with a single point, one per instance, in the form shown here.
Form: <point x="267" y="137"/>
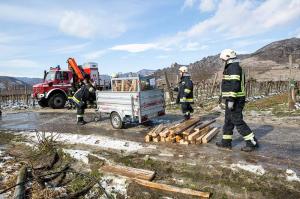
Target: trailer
<point x="131" y="100"/>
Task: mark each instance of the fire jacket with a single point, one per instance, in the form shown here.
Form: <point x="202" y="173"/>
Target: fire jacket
<point x="83" y="94"/>
<point x="233" y="82"/>
<point x="185" y="90"/>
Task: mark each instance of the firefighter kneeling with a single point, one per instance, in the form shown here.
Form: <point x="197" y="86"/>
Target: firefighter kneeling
<point x="233" y="91"/>
<point x="185" y="92"/>
<point x="81" y="97"/>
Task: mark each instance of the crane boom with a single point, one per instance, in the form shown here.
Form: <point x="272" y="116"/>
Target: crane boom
<point x="78" y="71"/>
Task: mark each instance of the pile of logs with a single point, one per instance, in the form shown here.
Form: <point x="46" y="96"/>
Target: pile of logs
<point x="126" y="85"/>
<point x="192" y="131"/>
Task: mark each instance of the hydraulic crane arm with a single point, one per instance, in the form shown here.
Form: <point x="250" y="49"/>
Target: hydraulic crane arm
<point x="78" y="71"/>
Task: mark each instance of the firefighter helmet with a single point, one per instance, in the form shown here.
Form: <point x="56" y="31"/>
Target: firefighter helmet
<point x="227" y="54"/>
<point x="114" y="75"/>
<point x="183" y="69"/>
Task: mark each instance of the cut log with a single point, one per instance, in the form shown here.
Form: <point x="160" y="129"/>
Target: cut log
<point x="157" y="130"/>
<point x="184" y="142"/>
<point x="170" y="188"/>
<point x="210" y="135"/>
<point x="178" y="138"/>
<point x="194" y="135"/>
<point x="164" y="133"/>
<point x="148" y="138"/>
<point x="129" y="172"/>
<point x="156" y="139"/>
<point x="20" y="188"/>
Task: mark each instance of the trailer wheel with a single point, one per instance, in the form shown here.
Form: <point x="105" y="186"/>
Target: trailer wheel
<point x="57" y="101"/>
<point x="116" y="120"/>
<point x="43" y="103"/>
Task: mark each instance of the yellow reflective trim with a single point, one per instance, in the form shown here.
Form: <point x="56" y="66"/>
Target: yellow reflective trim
<point x="249" y="136"/>
<point x="231" y="77"/>
<point x="227" y="137"/>
<point x="187" y="90"/>
<point x="233" y="94"/>
<point x="186" y="100"/>
<point x="76" y="100"/>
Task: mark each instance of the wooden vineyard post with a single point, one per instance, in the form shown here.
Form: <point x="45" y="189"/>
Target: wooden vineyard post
<point x="292" y="93"/>
<point x="169" y="87"/>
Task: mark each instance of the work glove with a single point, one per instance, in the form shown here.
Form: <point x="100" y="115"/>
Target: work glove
<point x="230" y="105"/>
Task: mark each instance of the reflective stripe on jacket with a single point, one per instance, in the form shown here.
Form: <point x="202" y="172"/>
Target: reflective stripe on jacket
<point x="233" y="82"/>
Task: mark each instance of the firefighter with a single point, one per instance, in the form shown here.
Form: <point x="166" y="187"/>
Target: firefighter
<point x="233" y="92"/>
<point x="185" y="92"/>
<point x="81" y="98"/>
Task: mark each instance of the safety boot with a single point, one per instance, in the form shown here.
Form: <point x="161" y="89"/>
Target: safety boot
<point x="80" y="121"/>
<point x="251" y="145"/>
<point x="187" y="116"/>
<point x="224" y="144"/>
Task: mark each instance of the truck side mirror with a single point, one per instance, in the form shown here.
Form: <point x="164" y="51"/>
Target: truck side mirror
<point x="45" y="73"/>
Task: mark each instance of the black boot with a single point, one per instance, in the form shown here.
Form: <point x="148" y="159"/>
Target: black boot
<point x="187" y="116"/>
<point x="224" y="144"/>
<point x="251" y="145"/>
<point x="80" y="121"/>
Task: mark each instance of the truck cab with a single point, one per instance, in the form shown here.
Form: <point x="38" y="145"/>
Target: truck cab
<point x="53" y="90"/>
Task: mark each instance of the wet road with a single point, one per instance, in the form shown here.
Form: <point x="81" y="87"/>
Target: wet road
<point x="279" y="146"/>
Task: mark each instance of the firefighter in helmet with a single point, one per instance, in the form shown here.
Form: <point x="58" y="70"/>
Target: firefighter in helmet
<point x="233" y="92"/>
<point x="82" y="96"/>
<point x="185" y="92"/>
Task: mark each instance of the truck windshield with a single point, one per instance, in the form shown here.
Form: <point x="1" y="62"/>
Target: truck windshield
<point x="50" y="76"/>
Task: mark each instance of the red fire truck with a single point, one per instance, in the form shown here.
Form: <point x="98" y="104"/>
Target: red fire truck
<point x="53" y="92"/>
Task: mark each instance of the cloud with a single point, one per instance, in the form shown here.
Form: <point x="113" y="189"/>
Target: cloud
<point x="135" y="48"/>
<point x="70" y="48"/>
<point x="19" y="63"/>
<point x="188" y="4"/>
<point x="194" y="46"/>
<point x="94" y="55"/>
<point x="207" y="5"/>
<point x="73" y="22"/>
<point x="77" y="24"/>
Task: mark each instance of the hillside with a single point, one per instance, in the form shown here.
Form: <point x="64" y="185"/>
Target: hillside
<point x="8" y="82"/>
<point x="270" y="62"/>
<point x="30" y="81"/>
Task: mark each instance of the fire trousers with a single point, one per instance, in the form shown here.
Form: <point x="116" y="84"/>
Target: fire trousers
<point x="234" y="118"/>
<point x="186" y="108"/>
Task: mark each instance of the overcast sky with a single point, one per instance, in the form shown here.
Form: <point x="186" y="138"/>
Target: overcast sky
<point x="129" y="35"/>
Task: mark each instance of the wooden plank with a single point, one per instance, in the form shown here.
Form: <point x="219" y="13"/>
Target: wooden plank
<point x="194" y="135"/>
<point x="205" y="124"/>
<point x="184" y="142"/>
<point x="210" y="135"/>
<point x="191" y="129"/>
<point x="129" y="172"/>
<point x="203" y="132"/>
<point x="20" y="188"/>
<point x="185" y="125"/>
<point x="174" y="189"/>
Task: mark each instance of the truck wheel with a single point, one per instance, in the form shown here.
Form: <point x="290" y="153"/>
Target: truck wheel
<point x="57" y="101"/>
<point x="43" y="103"/>
<point x="116" y="121"/>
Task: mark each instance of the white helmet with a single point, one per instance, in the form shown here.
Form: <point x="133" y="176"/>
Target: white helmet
<point x="114" y="75"/>
<point x="227" y="54"/>
<point x="183" y="69"/>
